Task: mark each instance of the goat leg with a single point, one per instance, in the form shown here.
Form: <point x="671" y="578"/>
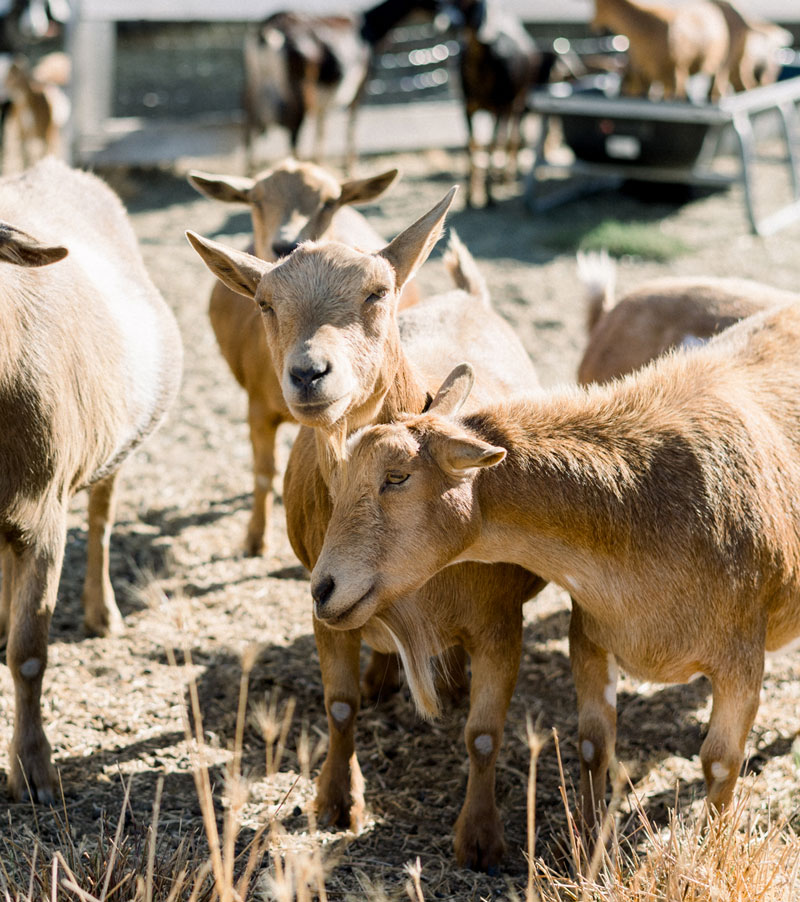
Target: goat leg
<point x="472" y="150"/>
<point x="101" y="616"/>
<point x="736" y="694"/>
<point x="36" y="571"/>
<point x="263" y="432"/>
<point x="5" y="597"/>
<point x="594" y="671"/>
<point x="340" y="787"/>
<point x="479" y="842"/>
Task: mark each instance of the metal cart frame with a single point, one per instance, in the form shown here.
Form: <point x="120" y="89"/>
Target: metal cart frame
<point x="735" y="113"/>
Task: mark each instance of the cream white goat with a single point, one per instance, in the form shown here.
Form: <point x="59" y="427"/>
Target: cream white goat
<point x="665" y="503"/>
<point x="330" y="318"/>
<point x="91" y="360"/>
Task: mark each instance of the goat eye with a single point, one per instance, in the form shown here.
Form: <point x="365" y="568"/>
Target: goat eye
<point x="265" y="307"/>
<point x="396" y="478"/>
<point x="376" y="296"/>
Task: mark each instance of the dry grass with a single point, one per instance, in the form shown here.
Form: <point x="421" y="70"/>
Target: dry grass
<point x="739" y="857"/>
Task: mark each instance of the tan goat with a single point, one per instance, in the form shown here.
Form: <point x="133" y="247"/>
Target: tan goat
<point x="290" y="203"/>
<point x="38" y="111"/>
<point x="665" y="503"/>
<point x="330" y="318"/>
<point x="753" y="48"/>
<point x="666" y="313"/>
<point x="668" y="44"/>
<point x="91" y="361"/>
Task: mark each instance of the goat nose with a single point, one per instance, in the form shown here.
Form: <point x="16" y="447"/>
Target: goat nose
<point x="306" y="377"/>
<point x="283" y="248"/>
<point x="322" y="591"/>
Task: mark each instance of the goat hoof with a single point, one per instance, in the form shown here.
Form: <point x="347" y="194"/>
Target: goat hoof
<point x="35" y="783"/>
<point x="254" y="545"/>
<point x="480" y="846"/>
<point x="109" y="623"/>
<point x="343" y="816"/>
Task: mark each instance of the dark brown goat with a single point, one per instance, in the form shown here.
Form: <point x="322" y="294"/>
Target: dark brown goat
<point x="499" y="64"/>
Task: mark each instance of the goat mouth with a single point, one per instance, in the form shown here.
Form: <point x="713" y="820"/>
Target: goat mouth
<point x="314" y="409"/>
<point x="338" y="621"/>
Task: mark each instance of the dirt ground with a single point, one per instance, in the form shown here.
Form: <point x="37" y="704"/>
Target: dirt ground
<point x="113" y="706"/>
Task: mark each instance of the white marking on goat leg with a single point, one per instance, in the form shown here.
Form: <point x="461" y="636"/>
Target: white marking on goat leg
<point x="340" y="711"/>
<point x="587" y="750"/>
<point x="483" y="744"/>
<point x="30" y="668"/>
<point x="610" y="692"/>
<point x="719" y="771"/>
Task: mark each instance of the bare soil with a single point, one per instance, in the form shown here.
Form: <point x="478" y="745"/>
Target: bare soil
<point x="113" y="706"/>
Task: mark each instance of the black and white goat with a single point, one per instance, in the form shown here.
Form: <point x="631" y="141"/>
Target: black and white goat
<point x="298" y="65"/>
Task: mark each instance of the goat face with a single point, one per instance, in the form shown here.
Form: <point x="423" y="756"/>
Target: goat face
<point x="293" y="203"/>
<point x="329" y="316"/>
<point x="328" y="313"/>
<point x="397" y="519"/>
<point x="290" y="203"/>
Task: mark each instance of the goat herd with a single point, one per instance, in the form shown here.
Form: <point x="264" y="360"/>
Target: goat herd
<point x="661" y="495"/>
<point x="298" y="65"/>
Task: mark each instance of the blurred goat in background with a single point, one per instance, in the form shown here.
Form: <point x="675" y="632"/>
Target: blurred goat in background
<point x="298" y="65"/>
<point x="499" y="64"/>
<point x="38" y="110"/>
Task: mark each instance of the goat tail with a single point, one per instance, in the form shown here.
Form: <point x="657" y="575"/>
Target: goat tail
<point x="463" y="269"/>
<point x="597" y="272"/>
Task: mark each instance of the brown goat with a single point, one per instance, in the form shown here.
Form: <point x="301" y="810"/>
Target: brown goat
<point x="91" y="361"/>
<point x="668" y="44"/>
<point x="662" y="314"/>
<point x="329" y="313"/>
<point x="665" y="503"/>
<point x="289" y="203"/>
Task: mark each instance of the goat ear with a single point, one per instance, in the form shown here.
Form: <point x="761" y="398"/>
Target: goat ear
<point x="232" y="189"/>
<point x="359" y="191"/>
<point x="456" y="454"/>
<point x="454" y="391"/>
<point x="21" y="249"/>
<point x="241" y="272"/>
<point x="410" y="249"/>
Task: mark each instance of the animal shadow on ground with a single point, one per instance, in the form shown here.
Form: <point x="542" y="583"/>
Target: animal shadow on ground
<point x="415" y="772"/>
<point x="139" y="547"/>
